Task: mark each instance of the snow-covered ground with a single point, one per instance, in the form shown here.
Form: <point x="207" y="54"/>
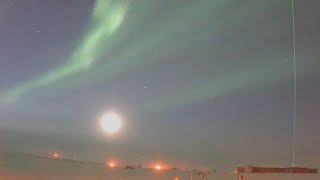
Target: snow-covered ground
<point x="25" y="166"/>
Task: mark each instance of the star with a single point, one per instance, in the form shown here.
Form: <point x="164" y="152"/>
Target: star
<point x="146" y="84"/>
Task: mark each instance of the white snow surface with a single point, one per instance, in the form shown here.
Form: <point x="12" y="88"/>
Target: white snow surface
<point x="16" y="166"/>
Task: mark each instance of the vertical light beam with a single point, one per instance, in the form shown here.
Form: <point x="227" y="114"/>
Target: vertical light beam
<point x="294" y="82"/>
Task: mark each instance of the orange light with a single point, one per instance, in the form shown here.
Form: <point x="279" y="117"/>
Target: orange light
<point x="157" y="167"/>
<point x="55" y="156"/>
<point x="111" y="164"/>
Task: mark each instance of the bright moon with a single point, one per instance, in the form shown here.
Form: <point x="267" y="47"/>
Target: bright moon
<point x="110" y="122"/>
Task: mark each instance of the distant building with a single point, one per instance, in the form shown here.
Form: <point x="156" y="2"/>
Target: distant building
<point x="253" y="169"/>
<point x="129" y="167"/>
<point x="175" y="169"/>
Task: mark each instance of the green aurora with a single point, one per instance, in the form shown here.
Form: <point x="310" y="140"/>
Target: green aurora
<point x="109" y="30"/>
<point x="106" y="18"/>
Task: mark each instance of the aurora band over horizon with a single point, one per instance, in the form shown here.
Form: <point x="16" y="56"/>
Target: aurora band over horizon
<point x="106" y="18"/>
<point x="166" y="36"/>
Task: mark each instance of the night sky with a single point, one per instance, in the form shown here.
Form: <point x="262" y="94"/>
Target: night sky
<point x="197" y="82"/>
